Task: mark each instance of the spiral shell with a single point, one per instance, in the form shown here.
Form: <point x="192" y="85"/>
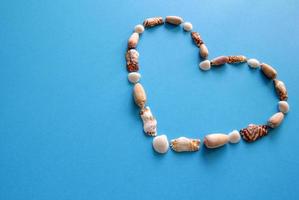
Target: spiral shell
<point x="182" y="144"/>
<point x="236" y="59"/>
<point x="254" y="132"/>
<point x="154" y="21"/>
<point x="268" y="71"/>
<point x="133" y="41"/>
<point x="175" y="20"/>
<point x="281" y="90"/>
<point x="276" y="120"/>
<point x="149" y="121"/>
<point x="139" y="95"/>
<point x="215" y="140"/>
<point x="132" y="57"/>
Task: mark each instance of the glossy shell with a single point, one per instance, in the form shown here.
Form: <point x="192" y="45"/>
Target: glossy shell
<point x="283" y="106"/>
<point x="281" y="90"/>
<point x="134" y="77"/>
<point x="276" y="120"/>
<point x="185" y="144"/>
<point x="187" y="26"/>
<point x="175" y="20"/>
<point x="215" y="140"/>
<point x="268" y="71"/>
<point x="139" y="95"/>
<point x="221" y="60"/>
<point x="204" y="52"/>
<point x="205" y="65"/>
<point x="234" y="136"/>
<point x="161" y="144"/>
<point x="139" y="28"/>
<point x="253" y="63"/>
<point x="133" y="41"/>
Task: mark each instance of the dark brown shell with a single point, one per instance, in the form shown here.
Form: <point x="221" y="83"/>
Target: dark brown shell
<point x="132" y="57"/>
<point x="197" y="39"/>
<point x="236" y="59"/>
<point x="154" y="21"/>
<point x="254" y="132"/>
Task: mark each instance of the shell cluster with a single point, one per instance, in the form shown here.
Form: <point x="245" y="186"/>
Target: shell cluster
<point x="161" y="143"/>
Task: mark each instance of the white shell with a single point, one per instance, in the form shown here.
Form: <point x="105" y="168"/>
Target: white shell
<point x="253" y="63"/>
<point x="149" y="121"/>
<point x="160" y="144"/>
<point x="234" y="136"/>
<point x="139" y="28"/>
<point x="182" y="144"/>
<point x="187" y="26"/>
<point x="205" y="65"/>
<point x="283" y="106"/>
<point x="215" y="140"/>
<point x="134" y="77"/>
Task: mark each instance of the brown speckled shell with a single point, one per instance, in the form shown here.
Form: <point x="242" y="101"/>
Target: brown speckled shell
<point x="236" y="59"/>
<point x="254" y="132"/>
<point x="132" y="60"/>
<point x="281" y="90"/>
<point x="197" y="39"/>
<point x="154" y="21"/>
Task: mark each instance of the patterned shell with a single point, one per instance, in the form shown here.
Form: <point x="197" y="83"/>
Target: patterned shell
<point x="254" y="132"/>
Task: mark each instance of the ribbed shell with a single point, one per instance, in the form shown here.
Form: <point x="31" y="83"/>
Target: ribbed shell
<point x="132" y="57"/>
<point x="154" y="21"/>
<point x="236" y="59"/>
<point x="254" y="132"/>
<point x="182" y="144"/>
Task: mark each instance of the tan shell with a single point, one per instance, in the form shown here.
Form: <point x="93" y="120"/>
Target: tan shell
<point x="154" y="21"/>
<point x="269" y="71"/>
<point x="182" y="144"/>
<point x="133" y="41"/>
<point x="236" y="59"/>
<point x="175" y="20"/>
<point x="197" y="39"/>
<point x="204" y="52"/>
<point x="215" y="140"/>
<point x="221" y="60"/>
<point x="281" y="90"/>
<point x="132" y="57"/>
<point x="139" y="95"/>
<point x="276" y="120"/>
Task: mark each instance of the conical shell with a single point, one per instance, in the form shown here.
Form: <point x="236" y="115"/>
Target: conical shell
<point x="154" y="21"/>
<point x="149" y="121"/>
<point x="276" y="120"/>
<point x="132" y="57"/>
<point x="281" y="90"/>
<point x="175" y="20"/>
<point x="221" y="60"/>
<point x="204" y="52"/>
<point x="133" y="41"/>
<point x="254" y="132"/>
<point x="139" y="95"/>
<point x="215" y="140"/>
<point x="182" y="144"/>
<point x="236" y="59"/>
<point x="268" y="71"/>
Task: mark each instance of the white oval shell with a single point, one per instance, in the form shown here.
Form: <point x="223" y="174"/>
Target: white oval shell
<point x="205" y="65"/>
<point x="283" y="106"/>
<point x="253" y="63"/>
<point x="234" y="136"/>
<point x="187" y="26"/>
<point x="139" y="28"/>
<point x="160" y="144"/>
<point x="134" y="77"/>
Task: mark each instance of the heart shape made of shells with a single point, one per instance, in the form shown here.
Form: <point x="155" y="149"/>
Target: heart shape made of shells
<point x="214" y="140"/>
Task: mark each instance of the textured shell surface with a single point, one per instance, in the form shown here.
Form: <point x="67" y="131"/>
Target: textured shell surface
<point x="149" y="121"/>
<point x="204" y="52"/>
<point x="197" y="39"/>
<point x="183" y="144"/>
<point x="133" y="41"/>
<point x="234" y="136"/>
<point x="139" y="95"/>
<point x="134" y="77"/>
<point x="175" y="20"/>
<point x="254" y="132"/>
<point x="220" y="60"/>
<point x="153" y="21"/>
<point x="215" y="140"/>
<point x="268" y="71"/>
<point x="205" y="65"/>
<point x="187" y="26"/>
<point x="132" y="58"/>
<point x="275" y="120"/>
<point x="139" y="28"/>
<point x="283" y="106"/>
<point x="253" y="63"/>
<point x="281" y="90"/>
<point x="161" y="144"/>
<point x="236" y="59"/>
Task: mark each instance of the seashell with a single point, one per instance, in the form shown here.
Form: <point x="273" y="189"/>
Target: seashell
<point x="234" y="136"/>
<point x="132" y="57"/>
<point x="283" y="106"/>
<point x="133" y="41"/>
<point x="154" y="21"/>
<point x="196" y="39"/>
<point x="204" y="52"/>
<point x="205" y="65"/>
<point x="276" y="120"/>
<point x="253" y="63"/>
<point x="221" y="60"/>
<point x="139" y="95"/>
<point x="236" y="59"/>
<point x="149" y="121"/>
<point x="269" y="71"/>
<point x="182" y="144"/>
<point x="134" y="77"/>
<point x="281" y="90"/>
<point x="160" y="144"/>
<point x="139" y="28"/>
<point x="187" y="26"/>
<point x="254" y="132"/>
<point x="215" y="140"/>
<point x="175" y="20"/>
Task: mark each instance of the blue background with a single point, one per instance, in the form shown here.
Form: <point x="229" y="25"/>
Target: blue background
<point x="69" y="128"/>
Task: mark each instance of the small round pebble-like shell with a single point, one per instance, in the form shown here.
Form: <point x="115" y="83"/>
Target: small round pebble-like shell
<point x="134" y="77"/>
<point x="139" y="28"/>
<point x="205" y="65"/>
<point x="253" y="63"/>
<point x="160" y="144"/>
<point x="283" y="106"/>
<point x="234" y="136"/>
<point x="276" y="120"/>
<point x="187" y="26"/>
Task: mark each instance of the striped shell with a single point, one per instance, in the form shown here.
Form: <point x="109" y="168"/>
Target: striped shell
<point x="132" y="58"/>
<point x="154" y="21"/>
<point x="254" y="132"/>
<point x="281" y="90"/>
<point x="196" y="38"/>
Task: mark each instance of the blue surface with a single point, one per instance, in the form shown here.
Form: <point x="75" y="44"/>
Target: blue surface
<point x="69" y="128"/>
